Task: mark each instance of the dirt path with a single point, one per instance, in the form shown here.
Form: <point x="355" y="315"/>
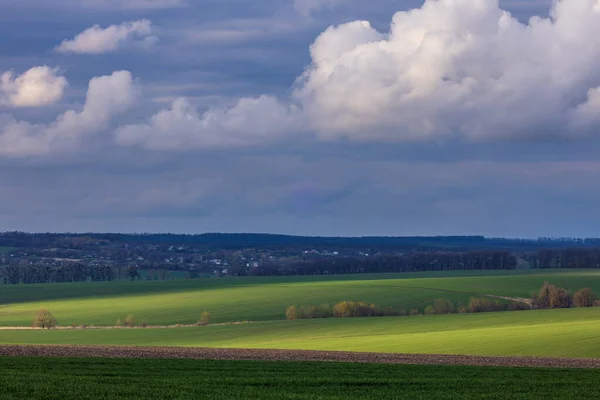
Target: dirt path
<point x="515" y="299"/>
<point x="291" y="355"/>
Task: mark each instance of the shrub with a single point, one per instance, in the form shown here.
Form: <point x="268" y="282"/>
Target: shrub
<point x="542" y="300"/>
<point x="462" y="310"/>
<point x="143" y="324"/>
<point x="518" y="306"/>
<point x="323" y="311"/>
<point x="302" y="313"/>
<point x="414" y="311"/>
<point x="390" y="312"/>
<point x="345" y="309"/>
<point x="204" y="318"/>
<point x="310" y="312"/>
<point x="366" y="310"/>
<point x="442" y="306"/>
<point x="560" y="298"/>
<point x="551" y="296"/>
<point x="477" y="305"/>
<point x="429" y="310"/>
<point x="129" y="321"/>
<point x="371" y="310"/>
<point x="342" y="309"/>
<point x="44" y="319"/>
<point x="584" y="298"/>
<point x="291" y="313"/>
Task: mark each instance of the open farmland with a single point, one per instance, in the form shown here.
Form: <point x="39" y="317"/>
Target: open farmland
<point x="220" y="380"/>
<point x="263" y="299"/>
<point x="559" y="333"/>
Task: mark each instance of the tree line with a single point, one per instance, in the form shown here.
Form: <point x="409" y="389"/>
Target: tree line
<point x="410" y="262"/>
<point x="251" y="240"/>
<point x="381" y="263"/>
<point x="15" y="274"/>
<point x="549" y="296"/>
<point x="565" y="258"/>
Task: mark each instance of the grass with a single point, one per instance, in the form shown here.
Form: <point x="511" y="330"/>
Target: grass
<point x="218" y="380"/>
<point x="261" y="299"/>
<point x="560" y="333"/>
<point x="6" y="250"/>
<point x="157" y="273"/>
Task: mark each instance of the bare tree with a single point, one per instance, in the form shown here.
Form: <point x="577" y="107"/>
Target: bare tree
<point x="44" y="319"/>
<point x="585" y="298"/>
<point x="204" y="318"/>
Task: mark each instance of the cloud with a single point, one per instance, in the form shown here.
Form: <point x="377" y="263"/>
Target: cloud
<point x="97" y="40"/>
<point x="250" y="121"/>
<point x="450" y="70"/>
<point x="306" y="7"/>
<point x="586" y="117"/>
<point x="453" y="68"/>
<point x="37" y="87"/>
<point x="107" y="97"/>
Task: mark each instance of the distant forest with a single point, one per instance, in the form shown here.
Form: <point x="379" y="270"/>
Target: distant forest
<point x="249" y="240"/>
<point x="47" y="258"/>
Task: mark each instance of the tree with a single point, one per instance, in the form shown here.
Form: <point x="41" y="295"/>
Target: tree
<point x="291" y="312"/>
<point x="44" y="319"/>
<point x="129" y="321"/>
<point x="584" y="298"/>
<point x="551" y="296"/>
<point x="560" y="298"/>
<point x="204" y="318"/>
<point x="477" y="305"/>
<point x="442" y="306"/>
<point x="542" y="300"/>
<point x="133" y="273"/>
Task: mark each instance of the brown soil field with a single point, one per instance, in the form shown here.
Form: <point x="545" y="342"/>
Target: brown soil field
<point x="291" y="355"/>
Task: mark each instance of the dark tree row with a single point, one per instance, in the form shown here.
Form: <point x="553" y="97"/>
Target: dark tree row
<point x="29" y="274"/>
<point x="248" y="240"/>
<point x="565" y="258"/>
<point x="412" y="262"/>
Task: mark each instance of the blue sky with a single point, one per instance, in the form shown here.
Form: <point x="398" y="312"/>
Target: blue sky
<point x="319" y="117"/>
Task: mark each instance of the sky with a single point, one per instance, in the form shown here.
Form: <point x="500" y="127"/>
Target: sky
<point x="310" y="117"/>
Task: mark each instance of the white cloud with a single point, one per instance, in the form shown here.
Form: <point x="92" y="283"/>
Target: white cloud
<point x="250" y="121"/>
<point x="97" y="40"/>
<point x="456" y="67"/>
<point x="450" y="69"/>
<point x="107" y="97"/>
<point x="39" y="86"/>
<point x="586" y="117"/>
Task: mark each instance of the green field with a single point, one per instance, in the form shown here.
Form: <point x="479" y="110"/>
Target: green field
<point x="561" y="333"/>
<point x="261" y="299"/>
<point x="23" y="378"/>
